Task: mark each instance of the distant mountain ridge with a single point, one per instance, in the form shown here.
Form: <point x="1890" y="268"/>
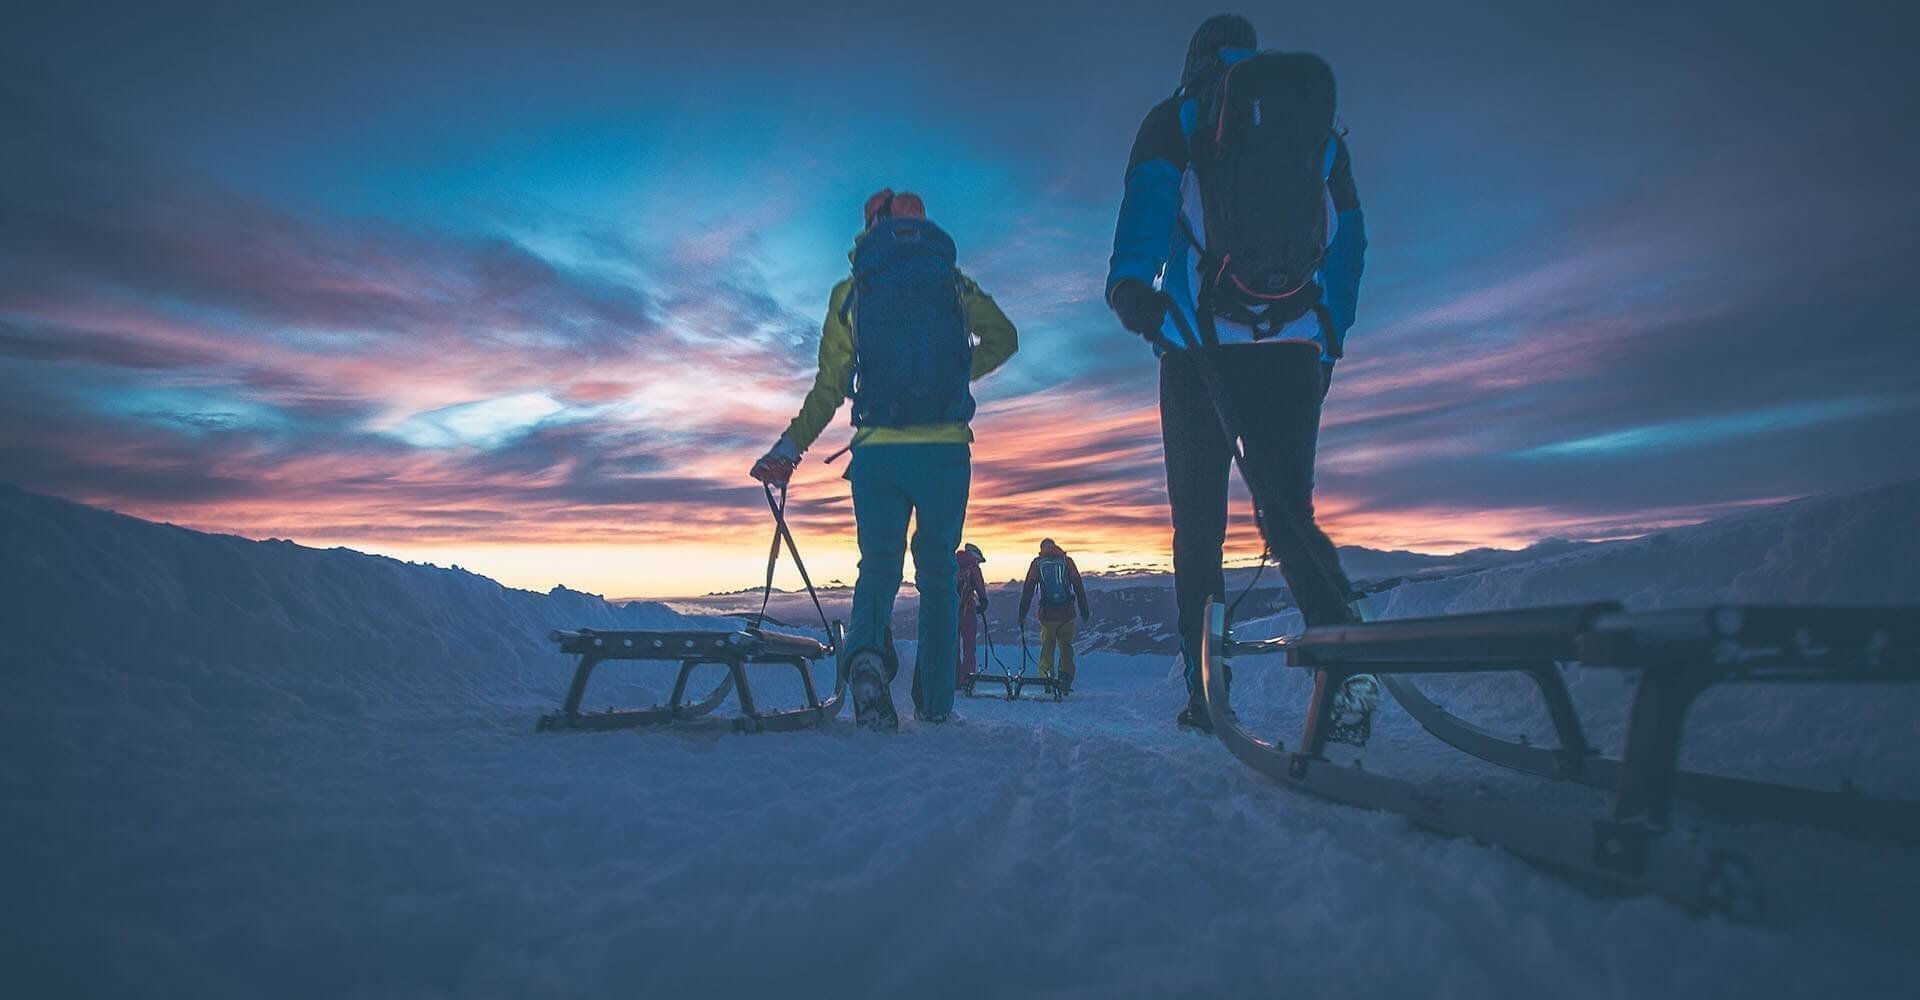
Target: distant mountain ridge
<point x="1361" y="562"/>
<point x="92" y="579"/>
<point x="1855" y="547"/>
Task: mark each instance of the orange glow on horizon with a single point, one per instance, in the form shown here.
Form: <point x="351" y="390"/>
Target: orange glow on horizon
<point x="725" y="550"/>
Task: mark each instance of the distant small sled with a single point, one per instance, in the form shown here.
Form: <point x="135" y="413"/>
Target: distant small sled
<point x="735" y="650"/>
<point x="1047" y="685"/>
<point x="1677" y="656"/>
<point x="1013" y="683"/>
<point x="981" y="677"/>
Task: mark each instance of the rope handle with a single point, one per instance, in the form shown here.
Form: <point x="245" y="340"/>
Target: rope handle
<point x="782" y="532"/>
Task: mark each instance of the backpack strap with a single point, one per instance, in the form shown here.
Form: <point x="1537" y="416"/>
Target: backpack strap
<point x="846" y="304"/>
<point x="853" y="335"/>
<point x="1186" y="225"/>
<point x="960" y="284"/>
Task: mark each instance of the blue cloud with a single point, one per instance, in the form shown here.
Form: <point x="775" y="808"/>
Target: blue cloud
<point x="1701" y="431"/>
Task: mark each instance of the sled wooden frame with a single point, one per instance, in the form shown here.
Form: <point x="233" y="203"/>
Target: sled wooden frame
<point x="1677" y="655"/>
<point x="735" y="650"/>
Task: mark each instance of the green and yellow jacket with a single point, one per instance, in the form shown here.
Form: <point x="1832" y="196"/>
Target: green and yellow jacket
<point x="997" y="342"/>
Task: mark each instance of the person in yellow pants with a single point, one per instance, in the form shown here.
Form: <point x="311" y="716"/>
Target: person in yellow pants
<point x="1057" y="635"/>
<point x="1056" y="579"/>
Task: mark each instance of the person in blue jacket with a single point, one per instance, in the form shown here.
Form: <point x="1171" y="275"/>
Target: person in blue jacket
<point x="1273" y="375"/>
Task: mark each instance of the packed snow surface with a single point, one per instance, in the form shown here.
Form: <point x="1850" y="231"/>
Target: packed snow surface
<point x="243" y="769"/>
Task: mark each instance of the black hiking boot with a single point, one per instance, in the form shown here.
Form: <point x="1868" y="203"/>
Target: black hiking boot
<point x="1195" y="717"/>
<point x="1353" y="705"/>
<point x="872" y="699"/>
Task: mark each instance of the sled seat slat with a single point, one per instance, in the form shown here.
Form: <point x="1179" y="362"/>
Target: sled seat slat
<point x="1531" y="635"/>
<point x="1762" y="641"/>
<point x="683" y="644"/>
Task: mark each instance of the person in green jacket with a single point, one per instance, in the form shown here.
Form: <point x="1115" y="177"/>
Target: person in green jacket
<point x="903" y="338"/>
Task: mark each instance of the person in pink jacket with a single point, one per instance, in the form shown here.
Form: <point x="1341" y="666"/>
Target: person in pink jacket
<point x="973" y="603"/>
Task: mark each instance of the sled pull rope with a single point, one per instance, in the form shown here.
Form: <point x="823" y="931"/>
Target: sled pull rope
<point x="782" y="532"/>
<point x="992" y="653"/>
<point x="1024" y="655"/>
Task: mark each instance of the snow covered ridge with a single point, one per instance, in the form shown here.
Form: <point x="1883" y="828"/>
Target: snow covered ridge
<point x="332" y="625"/>
<point x="93" y="579"/>
<point x="1856" y="548"/>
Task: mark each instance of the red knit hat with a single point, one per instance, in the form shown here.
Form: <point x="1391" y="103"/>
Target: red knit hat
<point x="885" y="204"/>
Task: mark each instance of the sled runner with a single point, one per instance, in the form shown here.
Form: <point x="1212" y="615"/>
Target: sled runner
<point x="733" y="650"/>
<point x="1677" y="654"/>
<point x="1005" y="678"/>
<point x="980" y="677"/>
<point x="1047" y="685"/>
<point x="691" y="648"/>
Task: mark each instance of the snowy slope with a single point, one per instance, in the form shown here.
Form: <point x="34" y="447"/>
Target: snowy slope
<point x="275" y="619"/>
<point x="235" y="769"/>
<point x="1861" y="548"/>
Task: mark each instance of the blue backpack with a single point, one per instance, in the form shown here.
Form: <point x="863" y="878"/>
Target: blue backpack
<point x="1055" y="588"/>
<point x="912" y="350"/>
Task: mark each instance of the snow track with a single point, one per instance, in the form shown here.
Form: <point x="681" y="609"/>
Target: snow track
<point x="349" y="800"/>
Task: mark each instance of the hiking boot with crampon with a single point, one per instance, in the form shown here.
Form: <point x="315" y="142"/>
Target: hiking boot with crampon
<point x="1195" y="717"/>
<point x="872" y="699"/>
<point x="1353" y="705"/>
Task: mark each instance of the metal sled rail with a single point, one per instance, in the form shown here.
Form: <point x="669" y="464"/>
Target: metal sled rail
<point x="733" y="650"/>
<point x="1006" y="681"/>
<point x="1678" y="655"/>
<point x="1015" y="685"/>
<point x="1047" y="685"/>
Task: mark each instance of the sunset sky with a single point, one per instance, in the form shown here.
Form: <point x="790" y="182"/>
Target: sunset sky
<point x="528" y="287"/>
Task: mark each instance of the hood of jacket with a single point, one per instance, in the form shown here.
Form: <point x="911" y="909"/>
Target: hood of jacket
<point x="1051" y="549"/>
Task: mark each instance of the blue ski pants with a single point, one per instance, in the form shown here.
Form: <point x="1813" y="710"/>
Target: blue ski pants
<point x="928" y="482"/>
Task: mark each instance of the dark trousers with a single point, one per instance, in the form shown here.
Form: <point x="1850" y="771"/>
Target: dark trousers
<point x="1273" y="392"/>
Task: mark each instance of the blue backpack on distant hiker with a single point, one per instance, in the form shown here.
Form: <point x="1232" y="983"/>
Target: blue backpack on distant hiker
<point x="1056" y="590"/>
<point x="912" y="350"/>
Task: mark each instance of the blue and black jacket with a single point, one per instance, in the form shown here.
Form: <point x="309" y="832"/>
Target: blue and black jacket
<point x="1150" y="244"/>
